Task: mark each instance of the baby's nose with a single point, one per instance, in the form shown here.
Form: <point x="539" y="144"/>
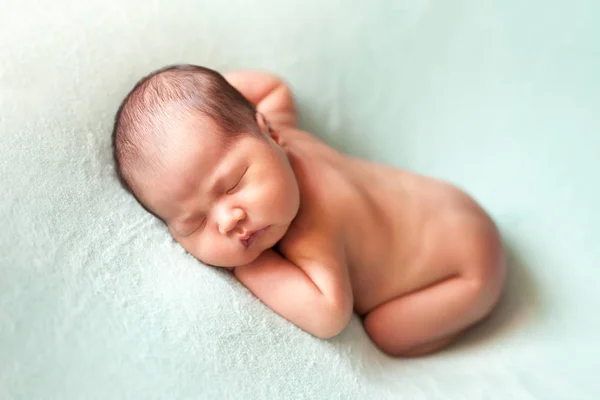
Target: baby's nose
<point x="231" y="220"/>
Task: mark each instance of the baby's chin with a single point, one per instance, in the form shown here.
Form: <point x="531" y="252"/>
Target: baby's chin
<point x="248" y="255"/>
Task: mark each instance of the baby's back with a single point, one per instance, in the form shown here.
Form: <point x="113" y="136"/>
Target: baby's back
<point x="402" y="231"/>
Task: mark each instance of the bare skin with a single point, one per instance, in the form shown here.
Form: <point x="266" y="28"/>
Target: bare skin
<point x="416" y="257"/>
<point x="424" y="260"/>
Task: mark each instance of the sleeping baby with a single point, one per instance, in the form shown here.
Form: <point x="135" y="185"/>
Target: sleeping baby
<point x="313" y="233"/>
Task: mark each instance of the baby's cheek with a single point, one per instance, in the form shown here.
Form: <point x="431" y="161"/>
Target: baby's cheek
<point x="195" y="248"/>
<point x="189" y="244"/>
<point x="214" y="252"/>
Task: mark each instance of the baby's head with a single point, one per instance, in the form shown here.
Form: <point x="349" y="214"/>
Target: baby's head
<point x="195" y="153"/>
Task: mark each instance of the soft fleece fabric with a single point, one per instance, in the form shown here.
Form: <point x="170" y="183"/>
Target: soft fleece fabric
<point x="499" y="97"/>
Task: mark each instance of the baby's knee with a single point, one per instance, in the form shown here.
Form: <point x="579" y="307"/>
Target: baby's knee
<point x="487" y="271"/>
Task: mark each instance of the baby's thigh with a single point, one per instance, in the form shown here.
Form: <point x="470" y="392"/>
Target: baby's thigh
<point x="429" y="318"/>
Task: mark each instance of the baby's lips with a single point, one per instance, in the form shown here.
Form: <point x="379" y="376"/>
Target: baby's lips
<point x="246" y="235"/>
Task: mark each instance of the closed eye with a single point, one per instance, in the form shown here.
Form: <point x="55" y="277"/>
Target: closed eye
<point x="196" y="228"/>
<point x="237" y="183"/>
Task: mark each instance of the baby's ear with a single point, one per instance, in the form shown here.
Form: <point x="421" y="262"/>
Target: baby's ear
<point x="278" y="139"/>
<point x="263" y="124"/>
<point x="265" y="128"/>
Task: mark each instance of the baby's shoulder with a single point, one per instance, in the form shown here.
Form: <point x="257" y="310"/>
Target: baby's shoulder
<point x="325" y="190"/>
<point x="311" y="237"/>
<point x="319" y="222"/>
<point x="314" y="224"/>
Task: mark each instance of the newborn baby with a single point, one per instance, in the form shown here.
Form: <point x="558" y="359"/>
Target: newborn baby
<point x="313" y="233"/>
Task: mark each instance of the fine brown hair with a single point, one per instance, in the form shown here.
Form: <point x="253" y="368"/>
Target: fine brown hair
<point x="165" y="95"/>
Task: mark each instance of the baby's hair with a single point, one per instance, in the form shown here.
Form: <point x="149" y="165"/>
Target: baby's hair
<point x="166" y="96"/>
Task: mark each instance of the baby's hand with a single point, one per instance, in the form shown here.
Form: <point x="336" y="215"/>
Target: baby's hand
<point x="257" y="260"/>
<point x="322" y="307"/>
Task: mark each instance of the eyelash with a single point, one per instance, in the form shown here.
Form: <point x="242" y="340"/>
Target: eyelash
<point x="238" y="182"/>
<point x="197" y="228"/>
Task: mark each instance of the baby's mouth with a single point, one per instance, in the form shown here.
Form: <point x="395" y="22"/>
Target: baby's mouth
<point x="250" y="237"/>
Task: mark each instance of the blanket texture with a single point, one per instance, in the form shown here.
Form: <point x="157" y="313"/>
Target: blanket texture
<point x="499" y="97"/>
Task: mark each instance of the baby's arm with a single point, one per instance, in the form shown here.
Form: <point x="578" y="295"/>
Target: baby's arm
<point x="269" y="93"/>
<point x="315" y="295"/>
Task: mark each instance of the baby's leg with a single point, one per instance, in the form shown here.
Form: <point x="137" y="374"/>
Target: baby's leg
<point x="424" y="321"/>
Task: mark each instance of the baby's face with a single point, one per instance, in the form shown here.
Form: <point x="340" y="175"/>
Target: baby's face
<point x="225" y="204"/>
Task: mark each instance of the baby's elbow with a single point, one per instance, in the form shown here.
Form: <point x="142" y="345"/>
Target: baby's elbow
<point x="333" y="322"/>
<point x="488" y="269"/>
<point x="330" y="330"/>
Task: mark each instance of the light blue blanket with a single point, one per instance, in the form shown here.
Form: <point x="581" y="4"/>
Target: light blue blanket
<point x="499" y="97"/>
